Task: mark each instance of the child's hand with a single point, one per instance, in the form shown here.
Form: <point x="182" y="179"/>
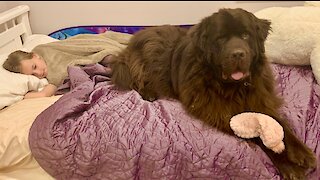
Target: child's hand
<point x="47" y="91"/>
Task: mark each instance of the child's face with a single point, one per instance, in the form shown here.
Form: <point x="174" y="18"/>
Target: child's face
<point x="35" y="66"/>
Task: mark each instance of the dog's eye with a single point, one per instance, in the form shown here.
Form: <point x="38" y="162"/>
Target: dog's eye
<point x="245" y="36"/>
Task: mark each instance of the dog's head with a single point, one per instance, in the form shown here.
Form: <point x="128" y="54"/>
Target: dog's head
<point x="232" y="42"/>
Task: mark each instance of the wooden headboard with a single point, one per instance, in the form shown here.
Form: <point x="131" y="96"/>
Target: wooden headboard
<point x="14" y="28"/>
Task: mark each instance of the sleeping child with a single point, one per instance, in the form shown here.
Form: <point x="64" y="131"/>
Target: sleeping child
<point x="51" y="60"/>
<point x="30" y="63"/>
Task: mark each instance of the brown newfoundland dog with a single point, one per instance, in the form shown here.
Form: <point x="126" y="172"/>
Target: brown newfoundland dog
<point x="216" y="69"/>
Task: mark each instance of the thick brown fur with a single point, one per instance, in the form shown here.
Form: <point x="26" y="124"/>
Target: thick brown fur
<point x="197" y="67"/>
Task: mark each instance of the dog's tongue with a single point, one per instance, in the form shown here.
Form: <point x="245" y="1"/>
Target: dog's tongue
<point x="237" y="75"/>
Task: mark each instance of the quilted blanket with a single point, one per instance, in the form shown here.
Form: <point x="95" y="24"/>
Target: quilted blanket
<point x="97" y="132"/>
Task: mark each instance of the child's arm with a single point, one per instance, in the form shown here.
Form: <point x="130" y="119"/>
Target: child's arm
<point x="47" y="91"/>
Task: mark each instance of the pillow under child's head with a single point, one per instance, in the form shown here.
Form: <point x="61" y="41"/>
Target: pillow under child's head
<point x="15" y="85"/>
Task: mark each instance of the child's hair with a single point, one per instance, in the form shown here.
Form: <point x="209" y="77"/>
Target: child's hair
<point x="13" y="62"/>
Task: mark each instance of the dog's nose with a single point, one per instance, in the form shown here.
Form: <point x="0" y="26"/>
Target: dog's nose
<point x="238" y="54"/>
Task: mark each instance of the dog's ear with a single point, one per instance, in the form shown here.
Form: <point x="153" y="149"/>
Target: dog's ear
<point x="263" y="28"/>
<point x="198" y="35"/>
<point x="203" y="33"/>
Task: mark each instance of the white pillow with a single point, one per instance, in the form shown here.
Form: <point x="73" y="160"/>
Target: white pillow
<point x="36" y="39"/>
<point x="13" y="86"/>
<point x="294" y="35"/>
<point x="312" y="3"/>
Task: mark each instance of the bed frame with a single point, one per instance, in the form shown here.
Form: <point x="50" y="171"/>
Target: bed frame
<point x="14" y="28"/>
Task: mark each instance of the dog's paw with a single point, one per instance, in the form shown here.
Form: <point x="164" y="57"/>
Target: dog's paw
<point x="148" y="95"/>
<point x="292" y="172"/>
<point x="302" y="156"/>
<point x="150" y="99"/>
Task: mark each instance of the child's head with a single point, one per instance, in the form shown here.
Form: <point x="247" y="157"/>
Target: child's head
<point x="26" y="63"/>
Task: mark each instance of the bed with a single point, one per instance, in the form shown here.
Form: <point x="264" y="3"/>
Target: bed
<point x="102" y="133"/>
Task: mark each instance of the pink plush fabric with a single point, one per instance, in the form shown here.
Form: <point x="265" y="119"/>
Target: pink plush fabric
<point x="250" y="124"/>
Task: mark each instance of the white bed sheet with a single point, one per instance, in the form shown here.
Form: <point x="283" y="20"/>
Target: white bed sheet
<point x="16" y="160"/>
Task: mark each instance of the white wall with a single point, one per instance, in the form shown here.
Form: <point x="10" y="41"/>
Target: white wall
<point x="3" y="6"/>
<point x="49" y="16"/>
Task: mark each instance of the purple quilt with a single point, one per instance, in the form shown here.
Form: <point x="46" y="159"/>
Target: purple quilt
<point x="96" y="132"/>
